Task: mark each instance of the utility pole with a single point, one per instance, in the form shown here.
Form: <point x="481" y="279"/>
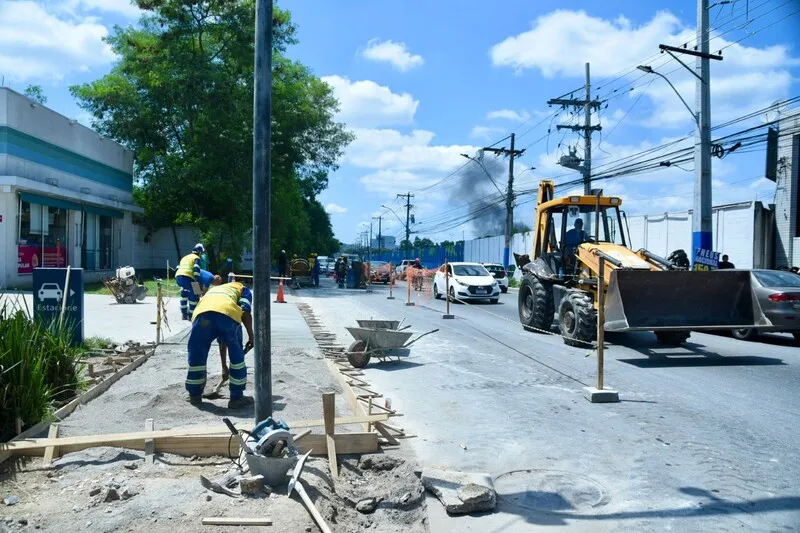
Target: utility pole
<point x="408" y="196"/>
<point x="701" y="214"/>
<point x="380" y="237"/>
<point x="572" y="161"/>
<point x="262" y="372"/>
<point x="512" y="153"/>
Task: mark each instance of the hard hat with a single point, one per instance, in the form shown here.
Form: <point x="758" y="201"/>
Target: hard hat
<point x="199" y="248"/>
<point x="283" y="251"/>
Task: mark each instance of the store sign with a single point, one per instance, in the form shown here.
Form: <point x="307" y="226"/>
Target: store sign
<point x="49" y="286"/>
<point x="705" y="260"/>
<point x="30" y="257"/>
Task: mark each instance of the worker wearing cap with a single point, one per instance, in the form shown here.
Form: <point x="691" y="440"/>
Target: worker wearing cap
<point x="219" y="316"/>
<point x="189" y="271"/>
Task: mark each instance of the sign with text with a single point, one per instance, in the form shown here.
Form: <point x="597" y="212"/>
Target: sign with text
<point x="705" y="260"/>
<point x="49" y="285"/>
<point x="30" y="257"/>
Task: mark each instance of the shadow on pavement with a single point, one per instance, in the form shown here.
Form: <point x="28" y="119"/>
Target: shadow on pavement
<point x="699" y="361"/>
<point x="556" y="511"/>
<point x="391" y="366"/>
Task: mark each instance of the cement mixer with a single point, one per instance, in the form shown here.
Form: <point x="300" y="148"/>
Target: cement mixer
<point x="125" y="287"/>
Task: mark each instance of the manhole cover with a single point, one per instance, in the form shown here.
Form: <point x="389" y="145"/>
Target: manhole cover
<point x="550" y="490"/>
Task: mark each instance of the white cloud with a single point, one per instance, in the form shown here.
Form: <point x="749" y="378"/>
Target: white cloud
<point x="335" y="209"/>
<point x="396" y="54"/>
<point x="561" y="42"/>
<point x="126" y="8"/>
<point x="37" y="45"/>
<point x="367" y="104"/>
<point x="508" y="114"/>
<point x="391" y="150"/>
<point x="485" y="132"/>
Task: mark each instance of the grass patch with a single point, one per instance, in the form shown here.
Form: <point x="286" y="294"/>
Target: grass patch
<point x="168" y="288"/>
<point x="513" y="282"/>
<point x="98" y="343"/>
<point x="39" y="367"/>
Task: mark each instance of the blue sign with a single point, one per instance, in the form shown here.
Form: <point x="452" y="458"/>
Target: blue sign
<point x="705" y="260"/>
<point x="49" y="285"/>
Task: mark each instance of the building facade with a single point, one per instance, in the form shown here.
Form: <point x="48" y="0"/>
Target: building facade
<point x="65" y="195"/>
<point x="387" y="242"/>
<point x="787" y="222"/>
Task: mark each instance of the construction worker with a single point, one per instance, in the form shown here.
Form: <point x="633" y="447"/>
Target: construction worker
<point x="315" y="270"/>
<point x="189" y="271"/>
<point x="207" y="279"/>
<point x="219" y="315"/>
<point x="282" y="264"/>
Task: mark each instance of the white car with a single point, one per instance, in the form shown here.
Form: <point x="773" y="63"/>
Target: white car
<point x="468" y="281"/>
<point x="323" y="264"/>
<point x="499" y="274"/>
<point x="50" y="291"/>
<point x="401" y="268"/>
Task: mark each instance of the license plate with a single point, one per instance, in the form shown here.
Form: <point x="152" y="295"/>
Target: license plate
<point x="480" y="291"/>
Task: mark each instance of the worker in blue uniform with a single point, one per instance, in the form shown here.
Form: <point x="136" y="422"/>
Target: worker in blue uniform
<point x="187" y="273"/>
<point x="219" y="316"/>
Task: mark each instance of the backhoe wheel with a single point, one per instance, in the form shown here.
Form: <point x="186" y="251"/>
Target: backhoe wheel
<point x="535" y="303"/>
<point x="356" y="355"/>
<point x="745" y="334"/>
<point x="577" y="319"/>
<point x="672" y="338"/>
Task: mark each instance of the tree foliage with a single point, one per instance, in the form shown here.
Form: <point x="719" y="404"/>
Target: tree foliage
<point x="36" y="93"/>
<point x="181" y="97"/>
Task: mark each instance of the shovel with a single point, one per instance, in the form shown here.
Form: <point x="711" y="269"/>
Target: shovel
<point x="214" y="394"/>
<point x="297" y="486"/>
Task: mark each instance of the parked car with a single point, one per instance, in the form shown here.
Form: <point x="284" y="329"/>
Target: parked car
<point x="778" y="294"/>
<point x="323" y="264"/>
<point x="330" y="266"/>
<point x="379" y="272"/>
<point x="468" y="281"/>
<point x="400" y="270"/>
<point x="499" y="273"/>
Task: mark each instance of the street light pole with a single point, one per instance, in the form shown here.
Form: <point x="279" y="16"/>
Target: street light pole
<point x="701" y="216"/>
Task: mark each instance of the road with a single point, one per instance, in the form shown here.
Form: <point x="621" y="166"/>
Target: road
<point x="704" y="439"/>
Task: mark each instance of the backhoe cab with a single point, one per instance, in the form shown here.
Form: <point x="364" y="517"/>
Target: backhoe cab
<point x="644" y="291"/>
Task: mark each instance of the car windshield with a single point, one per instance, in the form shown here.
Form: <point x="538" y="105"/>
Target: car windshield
<point x="494" y="268"/>
<point x="470" y="270"/>
<point x="776" y="278"/>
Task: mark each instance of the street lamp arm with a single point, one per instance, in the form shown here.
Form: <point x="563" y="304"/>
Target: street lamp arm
<point x="649" y="70"/>
<point x="395" y="214"/>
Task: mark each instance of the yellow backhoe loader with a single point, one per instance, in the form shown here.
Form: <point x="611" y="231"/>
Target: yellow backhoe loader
<point x="644" y="292"/>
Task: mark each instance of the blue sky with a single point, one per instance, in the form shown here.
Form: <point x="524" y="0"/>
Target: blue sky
<point x="422" y="82"/>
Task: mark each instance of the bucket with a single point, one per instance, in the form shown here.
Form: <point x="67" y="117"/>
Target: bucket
<point x="274" y="469"/>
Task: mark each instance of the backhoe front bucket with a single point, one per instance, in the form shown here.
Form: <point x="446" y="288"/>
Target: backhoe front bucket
<point x="676" y="300"/>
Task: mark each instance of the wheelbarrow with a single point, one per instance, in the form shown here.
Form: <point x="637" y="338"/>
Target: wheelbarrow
<point x="379" y="342"/>
<point x="382" y="324"/>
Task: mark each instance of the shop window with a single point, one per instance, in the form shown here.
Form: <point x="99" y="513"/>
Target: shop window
<point x="98" y="251"/>
<point x="42" y="239"/>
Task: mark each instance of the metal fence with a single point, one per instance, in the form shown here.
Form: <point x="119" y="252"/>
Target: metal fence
<point x="431" y="257"/>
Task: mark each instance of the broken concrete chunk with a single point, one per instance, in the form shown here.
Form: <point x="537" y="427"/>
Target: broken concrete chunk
<point x="131" y="466"/>
<point x="11" y="500"/>
<point x="460" y="492"/>
<point x="367" y="505"/>
<point x="379" y="462"/>
<point x="111" y="495"/>
<point x="127" y="493"/>
<point x="251" y="485"/>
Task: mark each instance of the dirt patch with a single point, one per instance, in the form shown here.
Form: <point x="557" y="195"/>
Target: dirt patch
<point x="111" y="489"/>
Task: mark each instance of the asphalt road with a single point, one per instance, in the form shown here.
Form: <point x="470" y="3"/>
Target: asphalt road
<point x="704" y="439"/>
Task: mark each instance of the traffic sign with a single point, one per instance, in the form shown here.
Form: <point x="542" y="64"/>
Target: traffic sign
<point x="48" y="298"/>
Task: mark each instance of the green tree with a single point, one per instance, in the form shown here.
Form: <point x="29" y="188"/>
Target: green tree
<point x="521" y="227"/>
<point x="423" y="243"/>
<point x="35" y="93"/>
<point x="181" y="97"/>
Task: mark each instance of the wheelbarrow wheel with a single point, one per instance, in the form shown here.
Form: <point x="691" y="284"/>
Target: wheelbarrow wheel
<point x="356" y="354"/>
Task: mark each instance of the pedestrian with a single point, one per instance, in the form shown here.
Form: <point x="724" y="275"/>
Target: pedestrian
<point x="725" y="264"/>
<point x="315" y="270"/>
<point x="282" y="264"/>
<point x="219" y="315"/>
<point x="342" y="272"/>
<point x="189" y="272"/>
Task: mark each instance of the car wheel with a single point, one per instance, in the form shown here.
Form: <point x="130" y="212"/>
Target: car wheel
<point x="504" y="289"/>
<point x="796" y="336"/>
<point x="453" y="295"/>
<point x="745" y="334"/>
<point x="436" y="294"/>
<point x="577" y="319"/>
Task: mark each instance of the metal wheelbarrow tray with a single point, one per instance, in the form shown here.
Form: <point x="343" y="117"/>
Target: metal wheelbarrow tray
<point x="382" y="324"/>
<point x="380" y="343"/>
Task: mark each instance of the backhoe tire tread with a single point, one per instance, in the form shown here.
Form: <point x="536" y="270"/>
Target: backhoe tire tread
<point x="577" y="319"/>
<point x="538" y="313"/>
<point x="672" y="338"/>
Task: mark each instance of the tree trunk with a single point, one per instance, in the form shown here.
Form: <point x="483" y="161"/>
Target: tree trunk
<point x="177" y="246"/>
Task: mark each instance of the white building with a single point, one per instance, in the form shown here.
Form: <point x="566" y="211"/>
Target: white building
<point x="65" y="195"/>
<point x="387" y="242"/>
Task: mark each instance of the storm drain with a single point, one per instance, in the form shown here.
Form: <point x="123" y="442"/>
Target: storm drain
<point x="550" y="490"/>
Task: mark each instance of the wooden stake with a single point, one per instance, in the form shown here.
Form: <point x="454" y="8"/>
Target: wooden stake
<point x="149" y="444"/>
<point x="51" y="451"/>
<point x="601" y="320"/>
<point x="385" y="433"/>
<point x="369" y="412"/>
<point x="329" y="414"/>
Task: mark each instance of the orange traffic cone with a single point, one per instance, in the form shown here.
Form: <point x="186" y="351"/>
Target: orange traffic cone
<point x="280" y="299"/>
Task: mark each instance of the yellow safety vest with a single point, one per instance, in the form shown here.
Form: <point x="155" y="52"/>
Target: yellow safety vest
<point x="222" y="299"/>
<point x="186" y="266"/>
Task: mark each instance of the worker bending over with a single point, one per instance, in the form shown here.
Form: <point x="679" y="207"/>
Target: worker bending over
<point x="219" y="316"/>
<point x="189" y="271"/>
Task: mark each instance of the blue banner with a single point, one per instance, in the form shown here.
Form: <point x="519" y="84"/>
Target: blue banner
<point x="705" y="259"/>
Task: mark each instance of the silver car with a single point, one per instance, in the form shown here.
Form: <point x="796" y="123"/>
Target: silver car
<point x="778" y="294"/>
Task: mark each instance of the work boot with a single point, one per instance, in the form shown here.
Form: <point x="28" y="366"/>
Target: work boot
<point x="241" y="401"/>
<point x="195" y="400"/>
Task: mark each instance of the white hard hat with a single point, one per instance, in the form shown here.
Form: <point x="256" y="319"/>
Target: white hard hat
<point x="199" y="248"/>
